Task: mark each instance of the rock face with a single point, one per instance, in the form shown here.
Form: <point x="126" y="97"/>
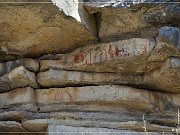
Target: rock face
<point x="114" y="96"/>
<point x="60" y="78"/>
<point x="166" y="77"/>
<point x="29" y="64"/>
<point x="88" y="66"/>
<point x="36" y="29"/>
<point x="106" y="57"/>
<point x="18" y="97"/>
<point x="19" y="77"/>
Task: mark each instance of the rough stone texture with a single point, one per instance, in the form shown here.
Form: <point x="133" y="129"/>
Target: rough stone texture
<point x="105" y="68"/>
<point x="97" y="96"/>
<point x="19" y="77"/>
<point x="60" y="78"/>
<point x="11" y="126"/>
<point x="18" y="97"/>
<point x="142" y="55"/>
<point x="170" y="35"/>
<point x="166" y="77"/>
<point x="29" y="64"/>
<point x="107" y="57"/>
<point x="36" y="29"/>
<point x="115" y="22"/>
<point x="133" y="21"/>
<point x="36" y="125"/>
<point x="171" y="14"/>
<point x="85" y="130"/>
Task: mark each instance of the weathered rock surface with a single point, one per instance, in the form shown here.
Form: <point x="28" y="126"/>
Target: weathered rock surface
<point x="95" y="98"/>
<point x="11" y="126"/>
<point x="106" y="57"/>
<point x="17" y="97"/>
<point x="35" y="29"/>
<point x="29" y="64"/>
<point x="156" y="122"/>
<point x="128" y="80"/>
<point x="170" y="35"/>
<point x="36" y="125"/>
<point x="19" y="77"/>
<point x="170" y="14"/>
<point x="143" y="55"/>
<point x="166" y="77"/>
<point x="139" y="20"/>
<point x="60" y="78"/>
<point x="93" y="130"/>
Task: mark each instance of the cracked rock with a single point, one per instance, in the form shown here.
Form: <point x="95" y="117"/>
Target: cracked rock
<point x="96" y="98"/>
<point x="166" y="77"/>
<point x="59" y="78"/>
<point x="29" y="64"/>
<point x="29" y="29"/>
<point x="170" y="35"/>
<point x="11" y="126"/>
<point x="17" y="97"/>
<point x="19" y="77"/>
<point x="124" y="56"/>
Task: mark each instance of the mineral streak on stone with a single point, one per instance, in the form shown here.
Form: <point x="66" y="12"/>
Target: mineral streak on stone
<point x="106" y="57"/>
<point x="98" y="96"/>
<point x="166" y="77"/>
<point x="29" y="64"/>
<point x="59" y="78"/>
<point x="19" y="77"/>
<point x="17" y="97"/>
<point x="46" y="29"/>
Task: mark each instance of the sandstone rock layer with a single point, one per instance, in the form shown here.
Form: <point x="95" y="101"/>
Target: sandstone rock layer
<point x="89" y="67"/>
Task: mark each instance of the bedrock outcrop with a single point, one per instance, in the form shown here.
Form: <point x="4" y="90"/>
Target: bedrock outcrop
<point x="88" y="66"/>
<point x="33" y="29"/>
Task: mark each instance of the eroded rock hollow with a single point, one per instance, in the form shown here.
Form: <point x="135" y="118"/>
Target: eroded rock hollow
<point x="90" y="66"/>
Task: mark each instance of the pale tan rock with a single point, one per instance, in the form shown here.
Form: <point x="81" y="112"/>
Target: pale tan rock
<point x="130" y="125"/>
<point x="29" y="64"/>
<point x="17" y="97"/>
<point x="58" y="78"/>
<point x="176" y="100"/>
<point x="167" y="45"/>
<point x="11" y="126"/>
<point x="97" y="97"/>
<point x="35" y="125"/>
<point x="173" y="99"/>
<point x="119" y="22"/>
<point x="19" y="77"/>
<point x="46" y="29"/>
<point x="13" y="115"/>
<point x="124" y="56"/>
<point x="166" y="77"/>
<point x="53" y="124"/>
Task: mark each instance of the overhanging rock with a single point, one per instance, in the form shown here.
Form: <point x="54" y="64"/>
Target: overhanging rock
<point x="127" y="18"/>
<point x="33" y="29"/>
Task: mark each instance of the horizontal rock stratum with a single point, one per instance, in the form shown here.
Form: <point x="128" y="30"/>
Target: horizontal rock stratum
<point x="89" y="66"/>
